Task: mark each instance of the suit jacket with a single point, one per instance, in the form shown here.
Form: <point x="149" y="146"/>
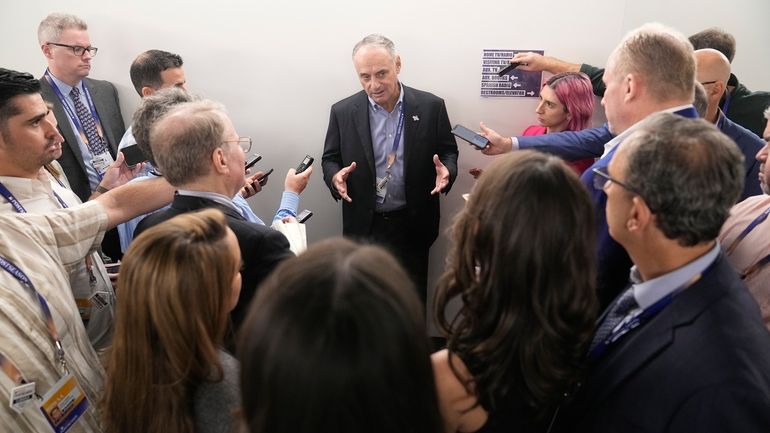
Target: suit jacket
<point x="262" y="248"/>
<point x="107" y="104"/>
<point x="426" y="132"/>
<point x="701" y="365"/>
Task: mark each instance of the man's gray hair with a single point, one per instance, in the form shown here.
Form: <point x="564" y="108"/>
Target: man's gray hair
<point x="153" y="107"/>
<point x="688" y="172"/>
<point x="700" y="100"/>
<point x="184" y="139"/>
<point x="660" y="55"/>
<point x="377" y="41"/>
<point x="52" y="26"/>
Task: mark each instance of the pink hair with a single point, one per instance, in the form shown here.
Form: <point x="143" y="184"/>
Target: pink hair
<point x="574" y="91"/>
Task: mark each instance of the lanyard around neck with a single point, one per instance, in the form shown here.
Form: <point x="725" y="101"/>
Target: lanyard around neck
<point x="759" y="264"/>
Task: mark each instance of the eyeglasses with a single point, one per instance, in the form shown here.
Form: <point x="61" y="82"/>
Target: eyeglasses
<point x="244" y="142"/>
<point x="705" y="83"/>
<point x="77" y="49"/>
<point x="602" y="180"/>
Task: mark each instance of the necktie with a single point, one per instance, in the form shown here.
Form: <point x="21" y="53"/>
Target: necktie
<point x="95" y="142"/>
<point x="617" y="312"/>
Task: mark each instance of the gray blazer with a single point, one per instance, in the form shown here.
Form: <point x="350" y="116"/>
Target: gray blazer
<point x="107" y="104"/>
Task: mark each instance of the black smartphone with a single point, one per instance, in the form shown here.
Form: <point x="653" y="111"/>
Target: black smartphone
<point x="250" y="163"/>
<point x="304" y="215"/>
<point x="262" y="179"/>
<point x="470" y="136"/>
<point x="508" y="68"/>
<point x="133" y="155"/>
<point x="307" y="162"/>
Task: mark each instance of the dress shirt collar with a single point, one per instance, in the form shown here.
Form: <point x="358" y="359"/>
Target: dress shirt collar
<point x="376" y="107"/>
<point x="65" y="88"/>
<point x="213" y="196"/>
<point x="651" y="291"/>
<point x="622" y="136"/>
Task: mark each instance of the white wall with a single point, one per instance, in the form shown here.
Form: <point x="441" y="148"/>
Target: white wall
<point x="278" y="66"/>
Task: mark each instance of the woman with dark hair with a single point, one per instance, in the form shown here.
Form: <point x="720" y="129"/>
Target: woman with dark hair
<point x="522" y="263"/>
<point x="566" y="104"/>
<point x="166" y="371"/>
<point x="335" y="342"/>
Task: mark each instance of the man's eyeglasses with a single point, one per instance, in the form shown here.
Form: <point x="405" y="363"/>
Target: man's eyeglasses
<point x="244" y="142"/>
<point x="77" y="49"/>
<point x="705" y="83"/>
<point x="602" y="180"/>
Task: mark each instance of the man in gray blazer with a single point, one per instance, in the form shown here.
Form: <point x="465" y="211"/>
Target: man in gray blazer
<point x="88" y="111"/>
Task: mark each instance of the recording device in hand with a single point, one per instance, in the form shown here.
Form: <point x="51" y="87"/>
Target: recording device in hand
<point x="133" y="155"/>
<point x="470" y="136"/>
<point x="307" y="162"/>
<point x="508" y="68"/>
<point x="263" y="179"/>
<point x="304" y="215"/>
<point x="250" y="163"/>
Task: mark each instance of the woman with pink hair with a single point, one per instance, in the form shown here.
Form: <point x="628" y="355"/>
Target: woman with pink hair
<point x="566" y="104"/>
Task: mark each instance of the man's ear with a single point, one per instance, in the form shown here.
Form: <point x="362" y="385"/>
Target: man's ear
<point x="398" y="64"/>
<point x="46" y="49"/>
<point x="640" y="215"/>
<point x="147" y="91"/>
<point x="632" y="87"/>
<point x="219" y="160"/>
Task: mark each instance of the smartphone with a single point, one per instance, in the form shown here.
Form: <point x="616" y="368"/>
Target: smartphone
<point x="307" y="162"/>
<point x="112" y="268"/>
<point x="470" y="136"/>
<point x="250" y="163"/>
<point x="263" y="179"/>
<point x="508" y="68"/>
<point x="304" y="215"/>
<point x="133" y="155"/>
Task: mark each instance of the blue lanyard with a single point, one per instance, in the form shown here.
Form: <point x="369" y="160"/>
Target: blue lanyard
<point x="759" y="264"/>
<point x="726" y="104"/>
<point x="633" y="321"/>
<point x="17" y="205"/>
<point x="396" y="140"/>
<point x="22" y="278"/>
<point x="72" y="115"/>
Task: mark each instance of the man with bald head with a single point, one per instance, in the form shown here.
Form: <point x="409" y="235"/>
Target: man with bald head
<point x="713" y="72"/>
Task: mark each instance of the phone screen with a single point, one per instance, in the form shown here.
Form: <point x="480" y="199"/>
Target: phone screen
<point x="470" y="136"/>
<point x="133" y="155"/>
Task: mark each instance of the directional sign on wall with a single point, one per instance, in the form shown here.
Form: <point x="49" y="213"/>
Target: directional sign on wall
<point x="515" y="83"/>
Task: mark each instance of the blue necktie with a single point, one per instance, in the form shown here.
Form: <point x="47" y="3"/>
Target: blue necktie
<point x="617" y="312"/>
<point x="95" y="142"/>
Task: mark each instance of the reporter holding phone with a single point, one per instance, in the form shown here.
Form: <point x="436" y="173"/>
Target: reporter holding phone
<point x="566" y="104"/>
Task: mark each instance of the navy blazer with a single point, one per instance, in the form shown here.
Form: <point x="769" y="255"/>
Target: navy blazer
<point x="426" y="132"/>
<point x="107" y="104"/>
<point x="700" y="365"/>
<point x="262" y="248"/>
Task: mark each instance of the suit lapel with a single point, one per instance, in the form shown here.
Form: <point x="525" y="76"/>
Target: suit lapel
<point x="361" y="121"/>
<point x="412" y="117"/>
<point x="654" y="337"/>
<point x="64" y="121"/>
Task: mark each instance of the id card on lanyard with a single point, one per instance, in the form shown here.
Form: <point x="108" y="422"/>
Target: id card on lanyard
<point x="382" y="182"/>
<point x="100" y="161"/>
<point x="65" y="402"/>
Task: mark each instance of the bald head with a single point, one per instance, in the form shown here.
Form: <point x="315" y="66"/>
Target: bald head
<point x="712" y="65"/>
<point x="713" y="71"/>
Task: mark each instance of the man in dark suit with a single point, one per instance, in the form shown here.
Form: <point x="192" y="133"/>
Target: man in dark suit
<point x="67" y="48"/>
<point x="199" y="152"/>
<point x="684" y="347"/>
<point x="88" y="111"/>
<point x="400" y="137"/>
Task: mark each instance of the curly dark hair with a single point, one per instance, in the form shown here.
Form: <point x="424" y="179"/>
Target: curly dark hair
<point x="523" y="264"/>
